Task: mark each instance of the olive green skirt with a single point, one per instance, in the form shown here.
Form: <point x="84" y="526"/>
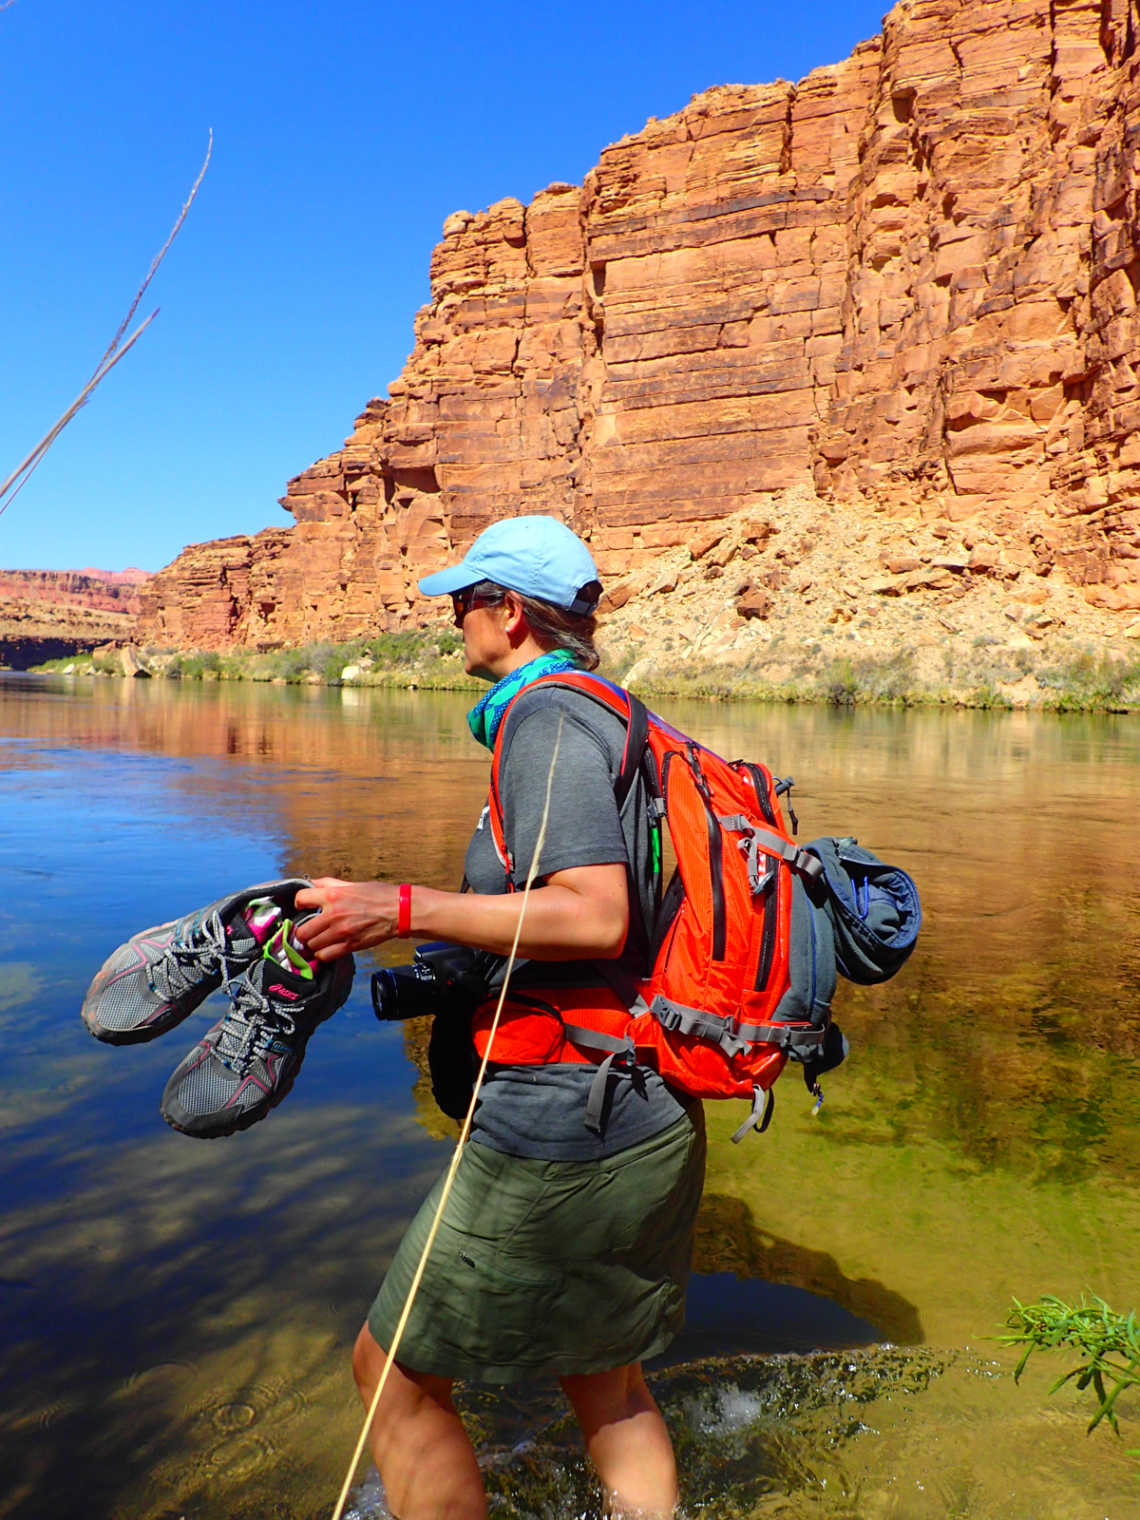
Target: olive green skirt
<point x="546" y="1267"/>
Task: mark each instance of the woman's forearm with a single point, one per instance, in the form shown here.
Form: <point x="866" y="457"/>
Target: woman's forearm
<point x="580" y="914"/>
<point x="560" y="924"/>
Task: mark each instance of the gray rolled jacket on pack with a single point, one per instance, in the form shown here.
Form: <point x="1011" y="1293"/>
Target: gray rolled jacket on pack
<point x="856" y="917"/>
<point x="872" y="908"/>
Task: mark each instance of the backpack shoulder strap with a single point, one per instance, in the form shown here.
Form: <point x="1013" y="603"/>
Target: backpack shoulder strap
<point x="636" y="744"/>
<point x="615" y="699"/>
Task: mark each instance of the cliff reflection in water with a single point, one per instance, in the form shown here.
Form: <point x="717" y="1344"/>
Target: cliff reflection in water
<point x="177" y="1317"/>
<point x="347" y="785"/>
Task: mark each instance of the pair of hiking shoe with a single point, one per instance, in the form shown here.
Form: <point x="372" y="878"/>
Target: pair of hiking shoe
<point x="248" y="1061"/>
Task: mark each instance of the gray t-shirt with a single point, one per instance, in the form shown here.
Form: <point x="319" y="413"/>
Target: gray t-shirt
<point x="540" y="1111"/>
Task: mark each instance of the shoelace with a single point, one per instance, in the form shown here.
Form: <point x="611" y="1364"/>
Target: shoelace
<point x="248" y="1030"/>
<point x="171" y="976"/>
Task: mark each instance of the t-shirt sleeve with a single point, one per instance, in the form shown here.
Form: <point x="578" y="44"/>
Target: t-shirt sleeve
<point x="583" y="828"/>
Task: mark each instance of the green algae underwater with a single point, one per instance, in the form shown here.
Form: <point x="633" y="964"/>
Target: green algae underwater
<point x="177" y="1317"/>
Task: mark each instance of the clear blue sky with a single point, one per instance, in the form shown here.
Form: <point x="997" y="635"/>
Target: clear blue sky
<point x="344" y="133"/>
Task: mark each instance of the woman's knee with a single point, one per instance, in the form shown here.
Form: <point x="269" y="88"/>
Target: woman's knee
<point x="367" y="1362"/>
<point x="604" y="1398"/>
<point x="405" y="1390"/>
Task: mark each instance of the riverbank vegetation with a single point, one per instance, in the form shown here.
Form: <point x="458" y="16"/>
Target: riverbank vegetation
<point x="1069" y="677"/>
<point x="428" y="658"/>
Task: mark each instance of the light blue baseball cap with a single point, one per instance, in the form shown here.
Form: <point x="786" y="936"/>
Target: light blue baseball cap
<point x="536" y="556"/>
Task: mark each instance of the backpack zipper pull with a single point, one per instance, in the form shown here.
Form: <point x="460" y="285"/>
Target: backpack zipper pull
<point x="698" y="774"/>
<point x="784" y="789"/>
<point x="817" y="1092"/>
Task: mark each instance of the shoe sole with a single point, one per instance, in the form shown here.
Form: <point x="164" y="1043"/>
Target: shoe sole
<point x="260" y="1111"/>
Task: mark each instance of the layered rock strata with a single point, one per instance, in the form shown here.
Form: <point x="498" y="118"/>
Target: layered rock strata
<point x="102" y="590"/>
<point x="49" y="614"/>
<point x="910" y="280"/>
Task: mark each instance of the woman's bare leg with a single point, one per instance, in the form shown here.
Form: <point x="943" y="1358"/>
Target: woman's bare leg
<point x="626" y="1438"/>
<point x="425" y="1460"/>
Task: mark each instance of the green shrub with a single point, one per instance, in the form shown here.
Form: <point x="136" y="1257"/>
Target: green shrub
<point x="320" y="655"/>
<point x="987" y="698"/>
<point x="193" y="666"/>
<point x="288" y="665"/>
<point x="1088" y="681"/>
<point x="84" y="663"/>
<point x="847" y="681"/>
<point x="840" y="684"/>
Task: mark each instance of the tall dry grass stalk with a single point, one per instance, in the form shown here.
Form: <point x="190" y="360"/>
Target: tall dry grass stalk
<point x="14" y="483"/>
<point x="459" y="1144"/>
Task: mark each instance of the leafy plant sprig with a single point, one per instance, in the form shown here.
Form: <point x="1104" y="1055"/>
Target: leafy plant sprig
<point x="1109" y="1341"/>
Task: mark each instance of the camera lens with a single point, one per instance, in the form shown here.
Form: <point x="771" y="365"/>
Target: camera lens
<point x="385" y="995"/>
<point x="440" y="976"/>
<point x="406" y="992"/>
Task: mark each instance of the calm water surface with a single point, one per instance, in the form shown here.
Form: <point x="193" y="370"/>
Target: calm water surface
<point x="177" y="1315"/>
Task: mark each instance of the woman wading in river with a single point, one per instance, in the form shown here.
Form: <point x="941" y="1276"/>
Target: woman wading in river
<point x="565" y="1245"/>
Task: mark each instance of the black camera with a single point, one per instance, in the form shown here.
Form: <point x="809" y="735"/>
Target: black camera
<point x="441" y="978"/>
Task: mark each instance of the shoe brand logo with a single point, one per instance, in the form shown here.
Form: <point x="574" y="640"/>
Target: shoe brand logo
<point x="284" y="992"/>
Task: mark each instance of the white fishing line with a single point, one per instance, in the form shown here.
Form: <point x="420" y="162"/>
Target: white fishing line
<point x="459" y="1144"/>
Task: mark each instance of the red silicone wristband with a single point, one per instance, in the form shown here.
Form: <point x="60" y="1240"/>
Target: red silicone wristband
<point x="404" y="922"/>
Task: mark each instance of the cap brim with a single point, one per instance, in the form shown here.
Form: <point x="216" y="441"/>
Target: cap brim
<point x="444" y="582"/>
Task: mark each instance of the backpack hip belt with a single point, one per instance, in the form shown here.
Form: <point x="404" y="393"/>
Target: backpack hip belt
<point x="544" y="1026"/>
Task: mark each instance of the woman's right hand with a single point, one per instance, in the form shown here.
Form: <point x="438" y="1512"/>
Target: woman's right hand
<point x="353" y="916"/>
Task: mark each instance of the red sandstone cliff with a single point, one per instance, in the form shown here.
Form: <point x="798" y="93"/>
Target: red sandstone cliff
<point x="910" y="279"/>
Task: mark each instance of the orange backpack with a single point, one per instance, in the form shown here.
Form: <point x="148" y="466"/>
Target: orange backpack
<point x="735" y="984"/>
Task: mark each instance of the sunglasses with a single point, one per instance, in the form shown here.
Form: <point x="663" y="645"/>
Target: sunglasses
<point x="473" y="596"/>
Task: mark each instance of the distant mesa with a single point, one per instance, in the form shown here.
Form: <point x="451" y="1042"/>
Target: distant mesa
<point x="108" y="590"/>
<point x="908" y="283"/>
<point x="131" y="576"/>
<point x="48" y="614"/>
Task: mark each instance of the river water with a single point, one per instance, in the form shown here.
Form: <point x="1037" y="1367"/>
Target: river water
<point x="176" y="1316"/>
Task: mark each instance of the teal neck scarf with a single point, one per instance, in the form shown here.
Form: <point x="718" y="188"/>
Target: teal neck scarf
<point x="484" y="718"/>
